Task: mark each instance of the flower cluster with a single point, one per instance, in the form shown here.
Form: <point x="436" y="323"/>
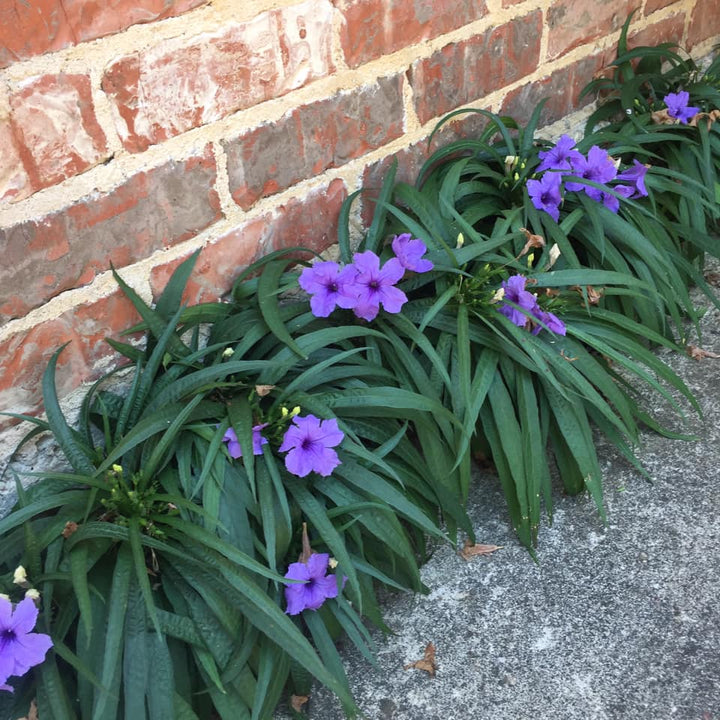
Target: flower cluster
<point x="364" y="285"/>
<point x="598" y="167"/>
<point x="513" y="289"/>
<point x="308" y="442"/>
<point x="678" y="108"/>
<point x="20" y="649"/>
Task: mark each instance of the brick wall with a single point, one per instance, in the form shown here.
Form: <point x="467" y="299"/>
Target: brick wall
<point x="138" y="131"/>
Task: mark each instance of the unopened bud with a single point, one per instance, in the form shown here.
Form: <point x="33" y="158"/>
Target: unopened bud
<point x="117" y="469"/>
<point x="33" y="594"/>
<point x="332" y="563"/>
<point x="295" y="411"/>
<point x="554" y="255"/>
<point x="284" y="411"/>
<point x="460" y="241"/>
<point x="498" y="296"/>
<point x="227" y="352"/>
<point x="20" y="576"/>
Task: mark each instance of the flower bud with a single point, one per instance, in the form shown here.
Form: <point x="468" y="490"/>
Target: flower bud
<point x="498" y="296"/>
<point x="227" y="352"/>
<point x="460" y="241"/>
<point x="33" y="594"/>
<point x="20" y="576"/>
<point x="332" y="562"/>
<point x="284" y="411"/>
<point x="3" y="596"/>
<point x="295" y="411"/>
<point x="117" y="469"/>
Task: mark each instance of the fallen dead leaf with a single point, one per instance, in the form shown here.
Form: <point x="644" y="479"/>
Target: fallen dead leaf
<point x="697" y="353"/>
<point x="567" y="357"/>
<point x="297" y="701"/>
<point x="593" y="295"/>
<point x="470" y="551"/>
<point x="427" y="664"/>
<point x="69" y="529"/>
<point x="263" y="390"/>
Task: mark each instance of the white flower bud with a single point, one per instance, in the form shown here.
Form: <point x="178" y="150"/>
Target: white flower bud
<point x="33" y="594"/>
<point x="20" y="576"/>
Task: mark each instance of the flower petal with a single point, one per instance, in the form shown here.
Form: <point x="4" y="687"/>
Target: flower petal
<point x="24" y="617"/>
<point x="30" y="650"/>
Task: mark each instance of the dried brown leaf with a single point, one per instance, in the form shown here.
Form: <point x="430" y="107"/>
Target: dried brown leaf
<point x="697" y="353"/>
<point x="428" y="663"/>
<point x="69" y="529"/>
<point x="593" y="295"/>
<point x="263" y="390"/>
<point x="297" y="701"/>
<point x="470" y="551"/>
<point x="533" y="241"/>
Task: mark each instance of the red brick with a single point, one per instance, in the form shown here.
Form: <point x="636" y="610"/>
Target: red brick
<point x="704" y="22"/>
<point x="652" y="5"/>
<point x="33" y="28"/>
<point x="14" y="182"/>
<point x="53" y="118"/>
<point x="313" y="138"/>
<point x="668" y="30"/>
<point x="561" y="88"/>
<point x="465" y="72"/>
<point x="172" y="88"/>
<point x="66" y="249"/>
<point x="310" y="222"/>
<point x="575" y="22"/>
<point x="373" y="28"/>
<point x="26" y="355"/>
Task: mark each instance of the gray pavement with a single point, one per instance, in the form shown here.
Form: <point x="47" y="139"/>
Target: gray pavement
<point x="616" y="622"/>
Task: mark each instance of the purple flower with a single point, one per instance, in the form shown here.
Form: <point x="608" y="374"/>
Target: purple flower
<point x="545" y="194"/>
<point x="553" y="322"/>
<point x="560" y="156"/>
<point x="409" y="252"/>
<point x="374" y="286"/>
<point x="318" y="588"/>
<point x="234" y="445"/>
<point x="20" y="649"/>
<point x="328" y="286"/>
<point x="310" y="442"/>
<point x="677" y="105"/>
<point x="598" y="167"/>
<point x="515" y="291"/>
<point x="613" y="203"/>
<point x="635" y="175"/>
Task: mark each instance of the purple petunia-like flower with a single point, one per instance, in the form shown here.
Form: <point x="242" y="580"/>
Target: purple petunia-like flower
<point x="545" y="194"/>
<point x="328" y="285"/>
<point x="598" y="167"/>
<point x="234" y="448"/>
<point x="20" y="649"/>
<point x="560" y="156"/>
<point x="318" y="587"/>
<point x="515" y="291"/>
<point x="308" y="443"/>
<point x="636" y="176"/>
<point x="611" y="202"/>
<point x="553" y="322"/>
<point x="677" y="106"/>
<point x="409" y="252"/>
<point x="374" y="286"/>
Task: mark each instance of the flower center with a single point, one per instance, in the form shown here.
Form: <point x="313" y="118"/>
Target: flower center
<point x="374" y="285"/>
<point x="333" y="287"/>
<point x="7" y="636"/>
<point x="306" y="444"/>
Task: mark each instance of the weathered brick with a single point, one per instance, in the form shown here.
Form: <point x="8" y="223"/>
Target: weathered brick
<point x="53" y="119"/>
<point x="310" y="221"/>
<point x="174" y="87"/>
<point x="372" y="28"/>
<point x="575" y="22"/>
<point x="68" y="248"/>
<point x="704" y="22"/>
<point x="33" y="28"/>
<point x="561" y="88"/>
<point x="313" y="138"/>
<point x="668" y="30"/>
<point x="85" y="327"/>
<point x="464" y="72"/>
<point x="14" y="182"/>
<point x="652" y="5"/>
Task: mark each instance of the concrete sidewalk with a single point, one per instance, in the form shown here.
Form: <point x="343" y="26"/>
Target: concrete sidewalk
<point x="614" y="623"/>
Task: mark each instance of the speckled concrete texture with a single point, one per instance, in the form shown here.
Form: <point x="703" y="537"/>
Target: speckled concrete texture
<point x="616" y="622"/>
